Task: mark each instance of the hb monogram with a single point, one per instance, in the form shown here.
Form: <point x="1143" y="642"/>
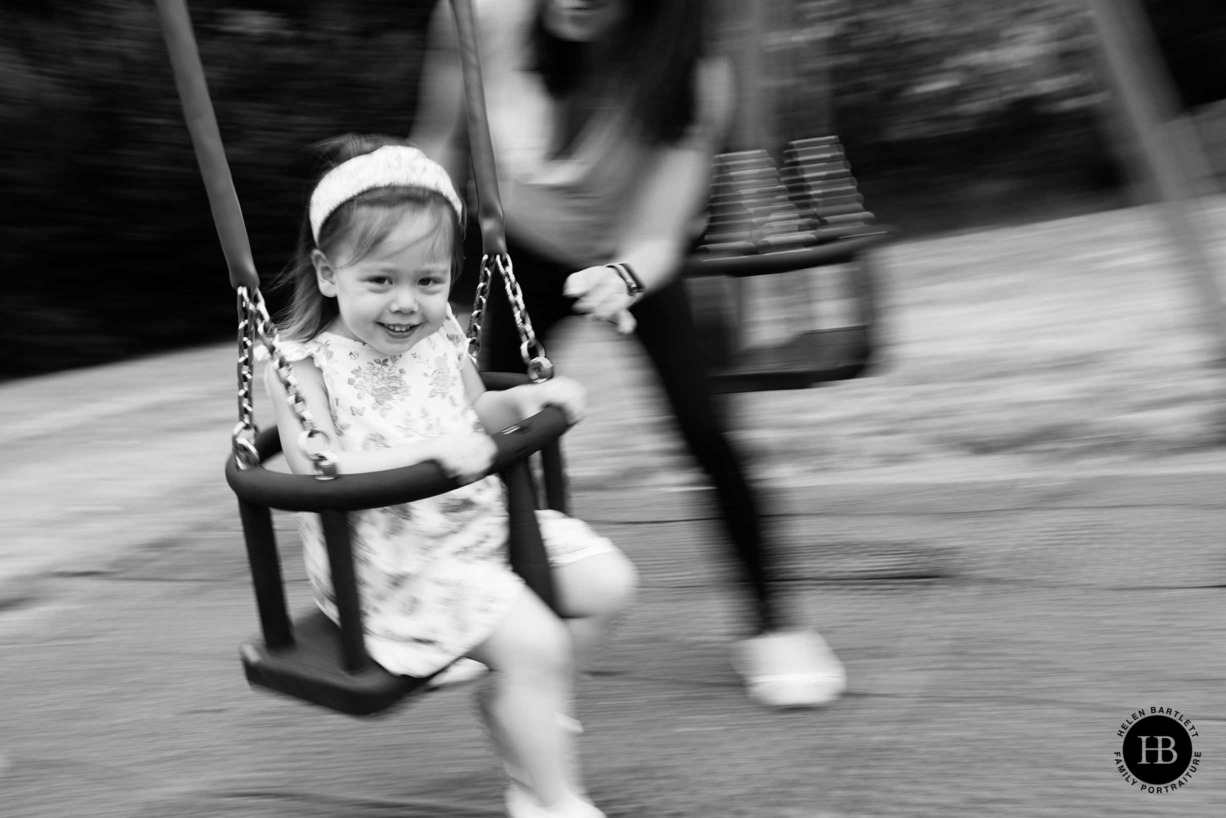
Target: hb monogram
<point x="1165" y="745"/>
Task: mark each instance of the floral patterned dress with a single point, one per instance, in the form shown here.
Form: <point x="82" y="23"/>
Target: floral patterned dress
<point x="433" y="575"/>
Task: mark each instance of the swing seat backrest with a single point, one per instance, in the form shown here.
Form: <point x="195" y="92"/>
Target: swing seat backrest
<point x="819" y="180"/>
<point x="316" y="660"/>
<point x="766" y="222"/>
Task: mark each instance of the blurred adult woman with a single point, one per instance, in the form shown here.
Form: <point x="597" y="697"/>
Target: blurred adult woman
<point x="605" y="117"/>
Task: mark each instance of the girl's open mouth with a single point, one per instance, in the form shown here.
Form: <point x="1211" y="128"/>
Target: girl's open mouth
<point x="400" y="330"/>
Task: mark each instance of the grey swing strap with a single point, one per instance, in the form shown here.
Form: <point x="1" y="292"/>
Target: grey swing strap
<point x="206" y="139"/>
<point x="253" y="319"/>
<point x="495" y="259"/>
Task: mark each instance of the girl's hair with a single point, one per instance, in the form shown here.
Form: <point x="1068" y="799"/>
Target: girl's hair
<point x="654" y="52"/>
<point x="308" y="312"/>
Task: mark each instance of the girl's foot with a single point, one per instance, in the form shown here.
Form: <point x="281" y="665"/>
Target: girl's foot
<point x="517" y="778"/>
<point x="521" y="804"/>
<point x="790" y="669"/>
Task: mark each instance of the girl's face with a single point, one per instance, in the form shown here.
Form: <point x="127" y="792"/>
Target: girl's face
<point x="582" y="21"/>
<point x="396" y="294"/>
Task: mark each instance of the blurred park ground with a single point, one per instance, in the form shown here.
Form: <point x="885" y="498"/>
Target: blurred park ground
<point x="956" y="116"/>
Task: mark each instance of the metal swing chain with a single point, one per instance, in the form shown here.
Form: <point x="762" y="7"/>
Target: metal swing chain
<point x="243" y="436"/>
<point x="539" y="367"/>
<point x="254" y="318"/>
<point x="477" y="316"/>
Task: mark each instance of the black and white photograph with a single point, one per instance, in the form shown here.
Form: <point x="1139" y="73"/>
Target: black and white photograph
<point x="613" y="409"/>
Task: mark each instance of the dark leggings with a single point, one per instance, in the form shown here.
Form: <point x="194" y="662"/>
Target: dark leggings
<point x="665" y="328"/>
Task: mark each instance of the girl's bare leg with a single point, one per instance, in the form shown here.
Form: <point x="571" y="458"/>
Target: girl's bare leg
<point x="592" y="594"/>
<point x="532" y="656"/>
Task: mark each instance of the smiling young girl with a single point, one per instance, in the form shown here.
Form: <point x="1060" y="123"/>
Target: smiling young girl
<point x="382" y="365"/>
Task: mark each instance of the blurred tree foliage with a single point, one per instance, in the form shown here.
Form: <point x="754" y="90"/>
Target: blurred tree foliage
<point x="108" y="244"/>
<point x="953" y="112"/>
<point x="1191" y="35"/>
<point x="107" y="241"/>
<point x="909" y="71"/>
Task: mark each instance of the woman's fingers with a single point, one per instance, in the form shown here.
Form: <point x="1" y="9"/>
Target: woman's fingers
<point x="593" y="285"/>
<point x="579" y="284"/>
<point x="604" y="301"/>
<point x="601" y="294"/>
<point x="625" y="322"/>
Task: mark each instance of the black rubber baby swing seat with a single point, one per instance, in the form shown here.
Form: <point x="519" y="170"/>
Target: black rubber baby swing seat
<point x="312" y="658"/>
<point x="767" y="222"/>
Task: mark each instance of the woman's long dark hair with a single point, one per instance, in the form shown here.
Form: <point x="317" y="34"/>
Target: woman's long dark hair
<point x="654" y="53"/>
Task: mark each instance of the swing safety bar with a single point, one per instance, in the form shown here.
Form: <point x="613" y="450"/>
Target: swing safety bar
<point x="353" y="492"/>
<point x="313" y="658"/>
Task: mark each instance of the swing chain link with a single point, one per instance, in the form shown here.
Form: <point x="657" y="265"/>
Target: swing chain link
<point x="531" y="350"/>
<point x="477" y="317"/>
<point x="245" y="430"/>
<point x="539" y="367"/>
<point x="254" y="314"/>
<point x="323" y="459"/>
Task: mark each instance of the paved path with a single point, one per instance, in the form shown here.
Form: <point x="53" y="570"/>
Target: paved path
<point x="1001" y="609"/>
<point x="996" y="636"/>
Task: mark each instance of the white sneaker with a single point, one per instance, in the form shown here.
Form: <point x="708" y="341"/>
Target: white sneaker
<point x="520" y="801"/>
<point x="790" y="669"/>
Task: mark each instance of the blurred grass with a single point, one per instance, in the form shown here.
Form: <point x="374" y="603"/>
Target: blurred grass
<point x="1079" y="339"/>
<point x="1074" y="343"/>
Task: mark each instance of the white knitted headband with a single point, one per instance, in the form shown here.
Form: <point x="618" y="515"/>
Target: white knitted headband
<point x="389" y="166"/>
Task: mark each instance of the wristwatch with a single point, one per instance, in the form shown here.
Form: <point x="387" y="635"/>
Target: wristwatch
<point x="634" y="286"/>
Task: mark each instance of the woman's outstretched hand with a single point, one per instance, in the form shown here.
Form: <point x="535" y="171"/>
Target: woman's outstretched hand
<point x="601" y="294"/>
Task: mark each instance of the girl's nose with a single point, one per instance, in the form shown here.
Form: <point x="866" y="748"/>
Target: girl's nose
<point x="404" y="301"/>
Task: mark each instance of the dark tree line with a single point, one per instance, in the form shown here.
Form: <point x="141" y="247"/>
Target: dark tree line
<point x="107" y="244"/>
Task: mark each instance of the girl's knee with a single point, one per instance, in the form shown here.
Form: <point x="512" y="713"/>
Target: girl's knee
<point x="602" y="585"/>
<point x="621" y="581"/>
